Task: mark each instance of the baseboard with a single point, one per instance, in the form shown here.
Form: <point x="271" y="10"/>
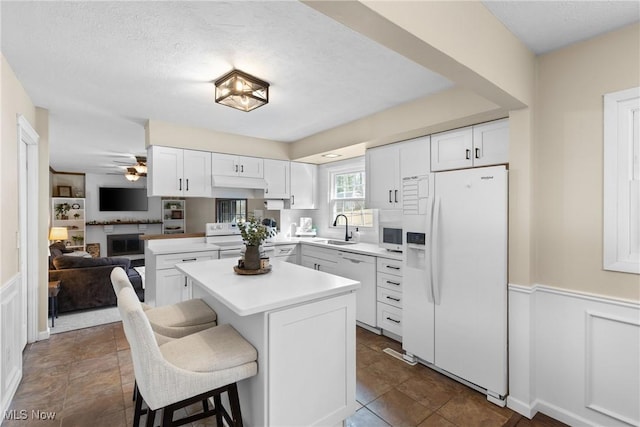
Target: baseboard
<point x="567" y="417"/>
<point x="44" y="335"/>
<point x="520" y="407"/>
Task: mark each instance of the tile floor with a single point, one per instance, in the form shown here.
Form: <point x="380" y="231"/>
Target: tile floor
<point x="86" y="378"/>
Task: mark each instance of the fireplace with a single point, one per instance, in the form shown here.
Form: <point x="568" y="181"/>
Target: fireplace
<point x="124" y="244"/>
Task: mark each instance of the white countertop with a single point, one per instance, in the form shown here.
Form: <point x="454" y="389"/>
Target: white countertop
<point x="169" y="246"/>
<point x="287" y="284"/>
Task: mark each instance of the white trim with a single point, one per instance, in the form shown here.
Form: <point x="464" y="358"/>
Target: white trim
<point x="10" y="340"/>
<point x="29" y="221"/>
<point x="575" y="294"/>
<point x="621" y="181"/>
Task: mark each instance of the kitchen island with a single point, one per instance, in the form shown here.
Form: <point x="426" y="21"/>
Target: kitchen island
<point x="302" y="322"/>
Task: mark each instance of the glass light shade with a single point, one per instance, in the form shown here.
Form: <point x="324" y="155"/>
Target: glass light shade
<point x="140" y="168"/>
<point x="58" y="233"/>
<point x="131" y="174"/>
<point x="241" y="91"/>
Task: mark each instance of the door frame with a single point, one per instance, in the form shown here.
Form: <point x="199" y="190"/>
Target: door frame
<point x="28" y="212"/>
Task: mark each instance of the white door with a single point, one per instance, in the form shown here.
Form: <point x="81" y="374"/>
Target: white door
<point x="491" y="143"/>
<point x="197" y="173"/>
<point x="303" y="185"/>
<point x="277" y="174"/>
<point x="169" y="287"/>
<point x="452" y="149"/>
<point x="382" y="166"/>
<point x="165" y="177"/>
<point x="470" y="275"/>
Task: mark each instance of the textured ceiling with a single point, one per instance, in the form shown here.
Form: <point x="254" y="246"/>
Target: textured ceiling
<point x="549" y="25"/>
<point x="122" y="63"/>
<point x="102" y="69"/>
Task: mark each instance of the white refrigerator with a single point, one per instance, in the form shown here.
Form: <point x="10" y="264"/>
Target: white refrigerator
<point x="455" y="278"/>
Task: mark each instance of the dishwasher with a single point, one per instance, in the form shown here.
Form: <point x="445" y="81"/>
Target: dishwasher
<point x="363" y="269"/>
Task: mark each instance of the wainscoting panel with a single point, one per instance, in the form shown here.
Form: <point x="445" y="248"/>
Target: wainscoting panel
<point x="583" y="356"/>
<point x="613" y="376"/>
<point x="10" y="340"/>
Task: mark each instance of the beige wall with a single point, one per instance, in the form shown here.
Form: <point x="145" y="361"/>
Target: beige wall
<point x="14" y="101"/>
<point x="175" y="135"/>
<point x="568" y="157"/>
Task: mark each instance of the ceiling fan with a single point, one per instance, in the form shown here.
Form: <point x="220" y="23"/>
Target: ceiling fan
<point x="134" y="172"/>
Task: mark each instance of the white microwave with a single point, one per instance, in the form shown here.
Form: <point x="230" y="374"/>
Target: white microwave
<point x="390" y="236"/>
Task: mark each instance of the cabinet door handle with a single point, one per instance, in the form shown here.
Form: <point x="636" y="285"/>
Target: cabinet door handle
<point x="396" y="195"/>
<point x="468" y="154"/>
<point x="390" y="201"/>
<point x="293" y="199"/>
<point x="180" y="184"/>
<point x="393" y="299"/>
<point x="393" y="267"/>
<point x="187" y="184"/>
<point x="185" y="281"/>
<point x="355" y="261"/>
<point x="393" y="283"/>
<point x="477" y="153"/>
<point x="266" y="190"/>
<point x="236" y="168"/>
<point x="189" y="259"/>
<point x="242" y="168"/>
<point x="393" y="320"/>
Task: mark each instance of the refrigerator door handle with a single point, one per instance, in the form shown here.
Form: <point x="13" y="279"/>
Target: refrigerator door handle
<point x="435" y="236"/>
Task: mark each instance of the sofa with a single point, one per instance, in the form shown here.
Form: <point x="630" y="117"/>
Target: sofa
<point x="86" y="282"/>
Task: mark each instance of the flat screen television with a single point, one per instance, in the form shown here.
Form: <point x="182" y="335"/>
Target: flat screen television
<point x="123" y="199"/>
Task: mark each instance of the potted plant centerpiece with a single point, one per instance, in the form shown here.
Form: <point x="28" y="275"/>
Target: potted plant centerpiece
<point x="253" y="234"/>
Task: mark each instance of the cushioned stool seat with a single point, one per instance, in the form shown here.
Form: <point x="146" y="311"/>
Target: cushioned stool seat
<point x="171" y="321"/>
<point x="183" y="318"/>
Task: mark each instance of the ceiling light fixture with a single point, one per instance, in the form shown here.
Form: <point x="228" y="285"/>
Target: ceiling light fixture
<point x="131" y="174"/>
<point x="242" y="91"/>
<point x="331" y="155"/>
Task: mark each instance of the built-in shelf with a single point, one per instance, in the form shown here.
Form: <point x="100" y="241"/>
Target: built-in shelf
<point x="149" y="221"/>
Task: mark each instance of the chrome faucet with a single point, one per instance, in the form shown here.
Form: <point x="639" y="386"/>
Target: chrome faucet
<point x="346" y="226"/>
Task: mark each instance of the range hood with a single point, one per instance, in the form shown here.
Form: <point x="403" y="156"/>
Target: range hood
<point x="220" y="181"/>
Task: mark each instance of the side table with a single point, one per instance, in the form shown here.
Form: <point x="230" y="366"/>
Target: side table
<point x="54" y="288"/>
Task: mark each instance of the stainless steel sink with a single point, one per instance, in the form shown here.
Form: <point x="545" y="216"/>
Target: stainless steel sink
<point x="340" y="242"/>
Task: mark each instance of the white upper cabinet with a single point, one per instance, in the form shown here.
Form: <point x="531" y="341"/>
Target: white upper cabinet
<point x="452" y="149"/>
<point x="481" y="145"/>
<point x="178" y="172"/>
<point x="304" y="182"/>
<point x="383" y="177"/>
<point x="387" y="165"/>
<point x="231" y="165"/>
<point x="277" y="173"/>
<point x="491" y="143"/>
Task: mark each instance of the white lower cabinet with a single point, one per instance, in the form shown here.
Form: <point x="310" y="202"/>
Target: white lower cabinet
<point x="164" y="284"/>
<point x="320" y="259"/>
<point x="389" y="295"/>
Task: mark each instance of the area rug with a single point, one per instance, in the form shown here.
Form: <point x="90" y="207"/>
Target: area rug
<point x="84" y="319"/>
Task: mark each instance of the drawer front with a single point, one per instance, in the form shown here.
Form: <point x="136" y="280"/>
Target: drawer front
<point x="321" y="253"/>
<point x="390" y="297"/>
<point x="390" y="318"/>
<point x="169" y="260"/>
<point x="389" y="281"/>
<point x="390" y="266"/>
<point x="284" y="250"/>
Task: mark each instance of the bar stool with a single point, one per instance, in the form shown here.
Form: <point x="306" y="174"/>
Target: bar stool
<point x="171" y="321"/>
<point x="186" y="370"/>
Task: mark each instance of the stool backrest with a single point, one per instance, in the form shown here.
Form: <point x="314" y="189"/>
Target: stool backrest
<point x="120" y="280"/>
<point x="151" y="370"/>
